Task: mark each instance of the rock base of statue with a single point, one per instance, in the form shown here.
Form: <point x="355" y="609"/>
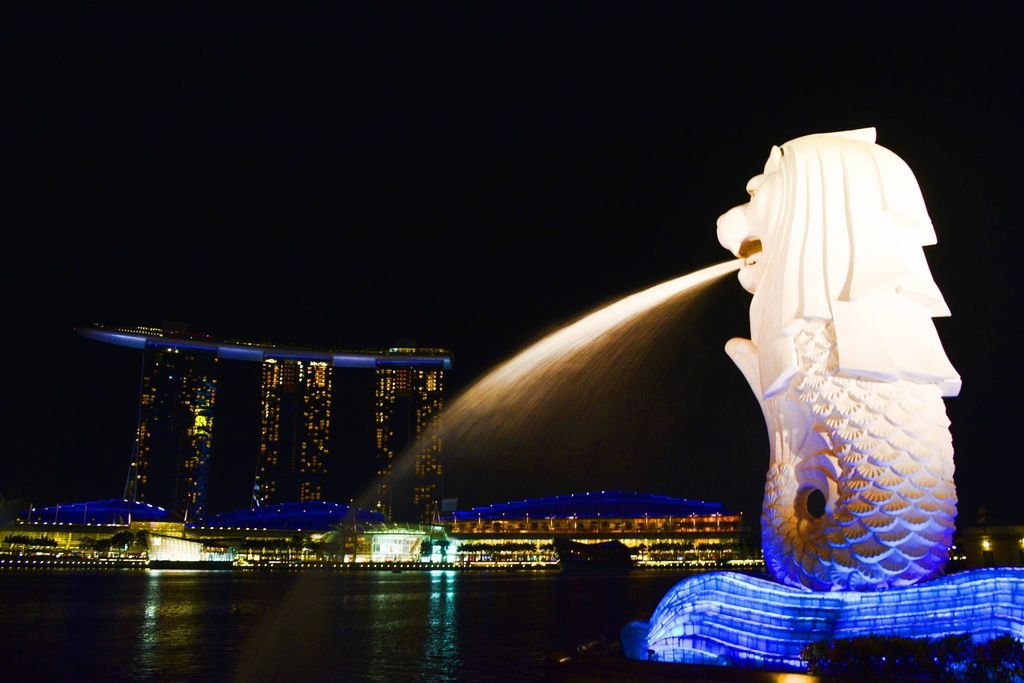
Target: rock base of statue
<point x="739" y="620"/>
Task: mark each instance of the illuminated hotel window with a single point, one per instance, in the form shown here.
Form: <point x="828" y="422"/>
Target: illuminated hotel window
<point x="296" y="398"/>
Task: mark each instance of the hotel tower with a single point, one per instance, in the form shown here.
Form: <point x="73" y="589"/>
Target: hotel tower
<point x="171" y="460"/>
<point x="409" y="401"/>
<point x="295" y="425"/>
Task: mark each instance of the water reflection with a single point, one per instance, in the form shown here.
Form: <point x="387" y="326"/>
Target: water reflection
<point x="148" y="634"/>
<point x="395" y="628"/>
<point x="368" y="627"/>
<point x="441" y="647"/>
<point x="183" y="614"/>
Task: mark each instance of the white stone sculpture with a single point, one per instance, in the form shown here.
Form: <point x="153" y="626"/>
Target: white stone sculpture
<point x="847" y="365"/>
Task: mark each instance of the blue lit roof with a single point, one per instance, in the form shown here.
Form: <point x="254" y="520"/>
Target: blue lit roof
<point x="112" y="511"/>
<point x="153" y="338"/>
<point x="310" y="516"/>
<point x="594" y="504"/>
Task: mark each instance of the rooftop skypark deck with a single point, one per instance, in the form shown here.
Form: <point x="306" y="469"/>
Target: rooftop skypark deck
<point x="156" y="338"/>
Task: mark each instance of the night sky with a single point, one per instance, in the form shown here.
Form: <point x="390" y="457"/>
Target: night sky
<point x="469" y="178"/>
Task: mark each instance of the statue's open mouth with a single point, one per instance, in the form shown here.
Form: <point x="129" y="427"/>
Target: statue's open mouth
<point x="749" y="247"/>
<point x="749" y="250"/>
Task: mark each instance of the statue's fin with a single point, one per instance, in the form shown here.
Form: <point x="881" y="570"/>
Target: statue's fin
<point x="744" y="355"/>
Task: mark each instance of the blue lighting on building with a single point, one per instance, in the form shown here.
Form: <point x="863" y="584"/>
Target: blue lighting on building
<point x="618" y="504"/>
<point x="202" y="347"/>
<point x="309" y="516"/>
<point x="414" y="362"/>
<point x="240" y="353"/>
<point x="151" y="338"/>
<point x="734" y="619"/>
<point x="352" y="360"/>
<point x="111" y="511"/>
<point x="299" y="355"/>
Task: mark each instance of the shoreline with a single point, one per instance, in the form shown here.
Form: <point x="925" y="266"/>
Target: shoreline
<point x="35" y="563"/>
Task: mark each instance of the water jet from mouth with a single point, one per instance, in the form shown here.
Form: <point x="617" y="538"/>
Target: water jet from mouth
<point x="525" y="418"/>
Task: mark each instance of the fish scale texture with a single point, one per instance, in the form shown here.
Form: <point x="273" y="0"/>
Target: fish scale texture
<point x="882" y="455"/>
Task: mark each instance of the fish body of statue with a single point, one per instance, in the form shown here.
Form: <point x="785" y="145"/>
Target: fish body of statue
<point x="847" y="365"/>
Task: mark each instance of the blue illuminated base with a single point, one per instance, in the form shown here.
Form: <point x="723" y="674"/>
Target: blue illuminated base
<point x="740" y="620"/>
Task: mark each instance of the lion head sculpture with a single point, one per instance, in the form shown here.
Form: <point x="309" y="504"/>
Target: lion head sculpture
<point x="834" y="230"/>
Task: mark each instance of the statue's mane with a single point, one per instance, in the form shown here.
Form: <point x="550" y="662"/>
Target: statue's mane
<point x="847" y="247"/>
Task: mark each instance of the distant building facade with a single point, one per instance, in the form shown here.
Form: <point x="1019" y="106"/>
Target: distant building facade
<point x="409" y="402"/>
<point x="295" y="426"/>
<point x="171" y="460"/>
<point x="988" y="546"/>
<point x="658" y="530"/>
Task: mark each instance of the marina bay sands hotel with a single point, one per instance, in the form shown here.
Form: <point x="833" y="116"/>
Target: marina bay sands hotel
<point x="171" y="459"/>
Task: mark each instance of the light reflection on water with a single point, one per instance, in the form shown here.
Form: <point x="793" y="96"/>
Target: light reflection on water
<point x="181" y="612"/>
<point x="148" y="633"/>
<point x="350" y="626"/>
<point x="440" y="647"/>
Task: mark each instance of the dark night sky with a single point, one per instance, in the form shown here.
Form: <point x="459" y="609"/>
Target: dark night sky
<point x="469" y="177"/>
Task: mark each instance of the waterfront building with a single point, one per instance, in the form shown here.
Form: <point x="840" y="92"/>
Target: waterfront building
<point x="295" y="424"/>
<point x="98" y="528"/>
<point x="658" y="530"/>
<point x="406" y="544"/>
<point x="120" y="529"/>
<point x="174" y="552"/>
<point x="171" y="459"/>
<point x="988" y="546"/>
<point x="409" y="401"/>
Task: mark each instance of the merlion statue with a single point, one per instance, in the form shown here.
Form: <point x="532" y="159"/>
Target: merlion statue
<point x="849" y="371"/>
<point x="847" y="365"/>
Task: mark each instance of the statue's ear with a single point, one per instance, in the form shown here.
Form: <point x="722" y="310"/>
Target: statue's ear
<point x="774" y="159"/>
